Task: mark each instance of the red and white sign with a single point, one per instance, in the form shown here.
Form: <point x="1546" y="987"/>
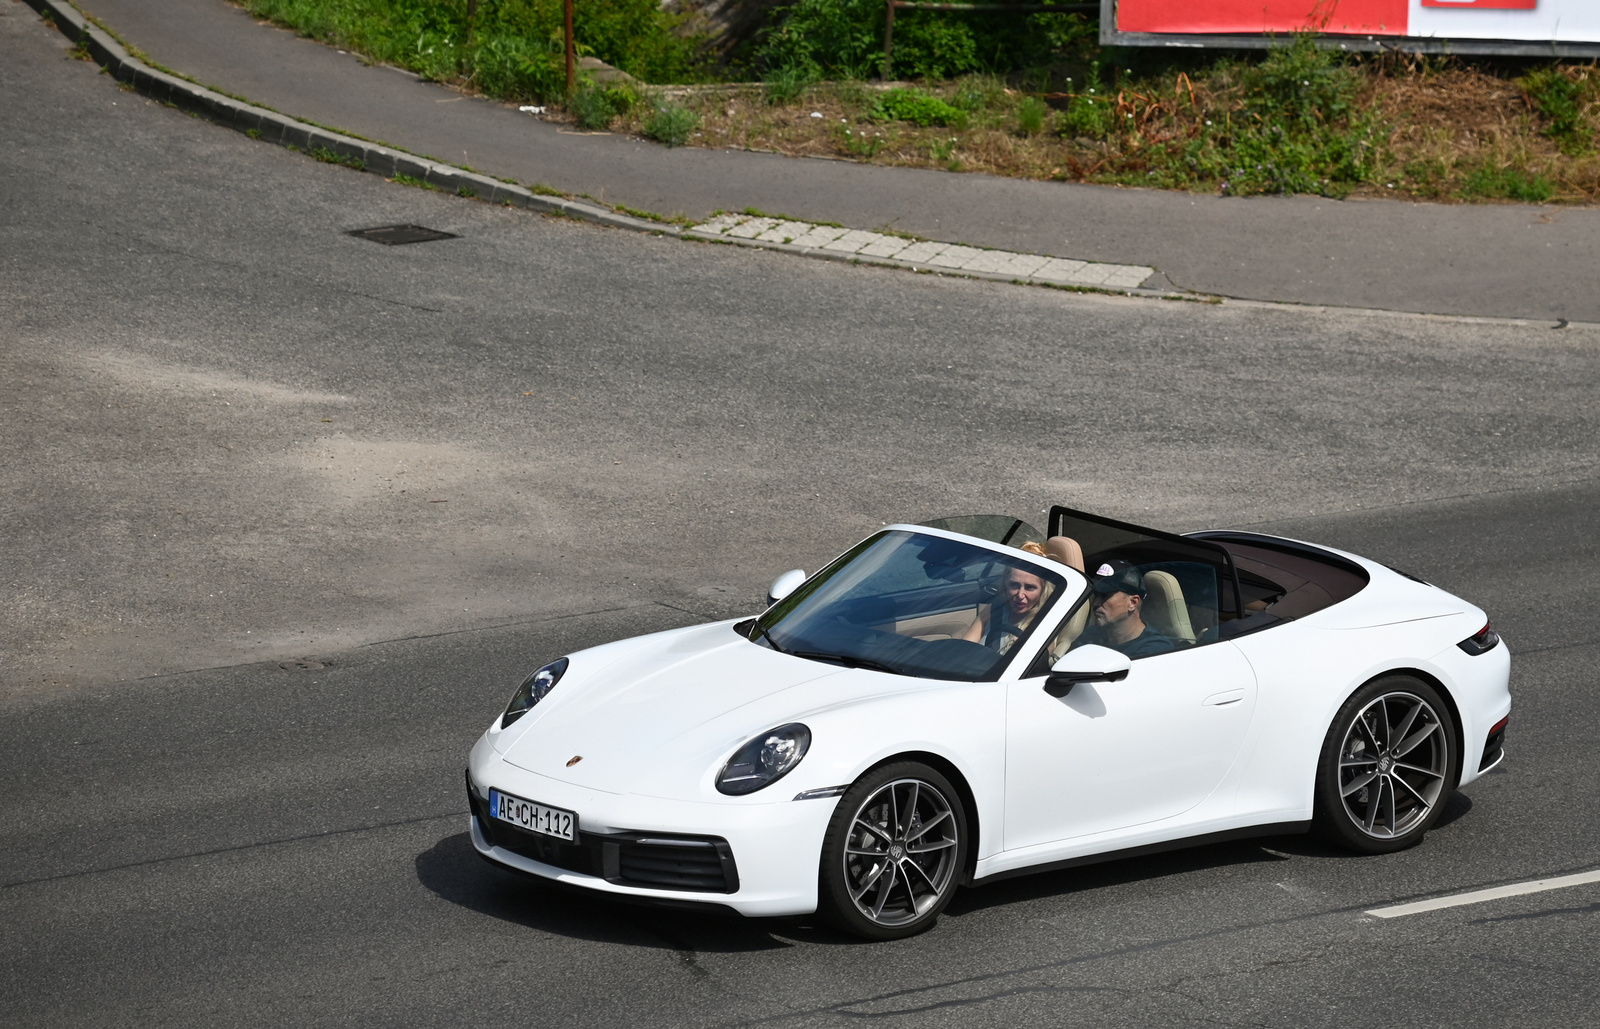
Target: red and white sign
<point x="1574" y="21"/>
<point x="1355" y="17"/>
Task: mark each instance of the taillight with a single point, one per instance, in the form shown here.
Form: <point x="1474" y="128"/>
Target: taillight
<point x="1480" y="642"/>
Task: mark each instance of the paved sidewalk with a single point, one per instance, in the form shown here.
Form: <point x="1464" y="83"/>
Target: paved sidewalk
<point x="1495" y="260"/>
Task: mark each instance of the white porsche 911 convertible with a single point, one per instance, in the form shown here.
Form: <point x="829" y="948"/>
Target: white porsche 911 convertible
<point x="953" y="703"/>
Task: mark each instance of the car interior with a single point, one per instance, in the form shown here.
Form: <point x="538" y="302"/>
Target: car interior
<point x="1201" y="588"/>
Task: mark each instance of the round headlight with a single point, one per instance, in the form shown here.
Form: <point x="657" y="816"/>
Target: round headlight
<point x="532" y="690"/>
<point x="764" y="760"/>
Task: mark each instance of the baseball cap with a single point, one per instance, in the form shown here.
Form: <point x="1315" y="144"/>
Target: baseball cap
<point x="1117" y="576"/>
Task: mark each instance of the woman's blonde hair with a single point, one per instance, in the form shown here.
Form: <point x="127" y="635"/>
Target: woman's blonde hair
<point x="1046" y="586"/>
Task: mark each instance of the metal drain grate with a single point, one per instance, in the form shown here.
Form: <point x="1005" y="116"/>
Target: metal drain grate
<point x="395" y="235"/>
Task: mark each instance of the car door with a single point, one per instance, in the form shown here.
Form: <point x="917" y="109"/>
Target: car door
<point x="1113" y="755"/>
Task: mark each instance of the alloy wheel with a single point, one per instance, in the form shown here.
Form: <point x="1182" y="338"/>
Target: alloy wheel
<point x="1393" y="764"/>
<point x="902" y="852"/>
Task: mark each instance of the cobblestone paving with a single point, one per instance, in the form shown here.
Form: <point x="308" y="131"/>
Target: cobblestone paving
<point x="919" y="254"/>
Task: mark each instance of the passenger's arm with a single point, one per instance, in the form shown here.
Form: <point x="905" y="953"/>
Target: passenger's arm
<point x="974" y="633"/>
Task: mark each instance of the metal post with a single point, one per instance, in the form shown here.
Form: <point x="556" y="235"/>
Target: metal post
<point x="888" y="40"/>
<point x="572" y="70"/>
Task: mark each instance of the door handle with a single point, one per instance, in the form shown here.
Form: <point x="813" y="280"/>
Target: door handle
<point x="1223" y="699"/>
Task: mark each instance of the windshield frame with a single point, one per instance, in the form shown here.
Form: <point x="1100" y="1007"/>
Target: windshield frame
<point x="1070" y="589"/>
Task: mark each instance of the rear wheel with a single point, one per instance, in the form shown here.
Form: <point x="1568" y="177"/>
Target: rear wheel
<point x="894" y="852"/>
<point x="1387" y="766"/>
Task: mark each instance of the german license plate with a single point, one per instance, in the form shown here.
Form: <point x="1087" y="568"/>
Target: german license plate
<point x="539" y="818"/>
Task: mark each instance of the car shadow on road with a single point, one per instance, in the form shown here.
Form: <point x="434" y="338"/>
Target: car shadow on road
<point x="1082" y="878"/>
<point x="453" y="871"/>
<point x="1310" y="845"/>
<point x="1177" y="862"/>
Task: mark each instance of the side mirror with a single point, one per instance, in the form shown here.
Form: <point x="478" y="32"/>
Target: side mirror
<point x="784" y="585"/>
<point x="1090" y="663"/>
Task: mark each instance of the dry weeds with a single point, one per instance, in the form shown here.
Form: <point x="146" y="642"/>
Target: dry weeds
<point x="1444" y="125"/>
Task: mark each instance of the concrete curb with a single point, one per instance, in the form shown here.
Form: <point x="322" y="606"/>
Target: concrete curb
<point x="290" y="132"/>
<point x="387" y="161"/>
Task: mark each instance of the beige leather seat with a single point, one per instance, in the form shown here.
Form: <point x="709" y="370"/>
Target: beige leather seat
<point x="1066" y="550"/>
<point x="1164" y="609"/>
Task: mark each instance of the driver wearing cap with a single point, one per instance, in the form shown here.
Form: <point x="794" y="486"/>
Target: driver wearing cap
<point x="1116" y="606"/>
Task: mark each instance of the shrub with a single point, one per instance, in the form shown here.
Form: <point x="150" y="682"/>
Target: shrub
<point x="843" y="39"/>
<point x="1090" y="112"/>
<point x="813" y="38"/>
<point x="515" y="50"/>
<point x="1560" y="98"/>
<point x="1302" y="85"/>
<point x="931" y="47"/>
<point x="593" y="107"/>
<point x="917" y="107"/>
<point x="516" y="69"/>
<point x="1299" y="129"/>
<point x="670" y="123"/>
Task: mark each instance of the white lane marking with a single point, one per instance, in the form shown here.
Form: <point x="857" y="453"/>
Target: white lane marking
<point x="1479" y="896"/>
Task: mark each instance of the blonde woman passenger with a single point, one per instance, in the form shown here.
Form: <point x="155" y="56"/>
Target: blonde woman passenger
<point x="1022" y="596"/>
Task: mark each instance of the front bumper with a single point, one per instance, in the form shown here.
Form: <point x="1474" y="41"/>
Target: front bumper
<point x="757" y="859"/>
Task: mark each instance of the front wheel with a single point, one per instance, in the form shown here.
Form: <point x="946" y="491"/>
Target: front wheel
<point x="1387" y="766"/>
<point x="894" y="852"/>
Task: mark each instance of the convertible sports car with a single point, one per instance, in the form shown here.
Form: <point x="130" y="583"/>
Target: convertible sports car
<point x="952" y="703"/>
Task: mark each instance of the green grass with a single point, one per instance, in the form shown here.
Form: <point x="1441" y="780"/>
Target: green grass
<point x="651" y="216"/>
<point x="788" y="84"/>
<point x="861" y="142"/>
<point x="327" y="156"/>
<point x="1031" y="115"/>
<point x="1496" y="183"/>
<point x="513" y="50"/>
<point x="1561" y="97"/>
<point x="918" y="108"/>
<point x="412" y="180"/>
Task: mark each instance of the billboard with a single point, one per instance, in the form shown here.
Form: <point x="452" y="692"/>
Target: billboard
<point x="1552" y="28"/>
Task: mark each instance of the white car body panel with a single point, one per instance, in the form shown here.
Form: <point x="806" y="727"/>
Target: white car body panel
<point x="1213" y="739"/>
<point x="1112" y="756"/>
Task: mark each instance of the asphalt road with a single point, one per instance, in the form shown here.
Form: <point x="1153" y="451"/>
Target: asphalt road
<point x="236" y="437"/>
<point x="1509" y="260"/>
<point x="254" y="846"/>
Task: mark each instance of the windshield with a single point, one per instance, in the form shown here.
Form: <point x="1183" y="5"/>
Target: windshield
<point x="915" y="604"/>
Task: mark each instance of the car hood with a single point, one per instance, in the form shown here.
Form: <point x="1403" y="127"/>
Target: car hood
<point x="626" y="719"/>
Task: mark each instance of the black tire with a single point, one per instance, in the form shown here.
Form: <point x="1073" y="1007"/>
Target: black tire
<point x="894" y="854"/>
<point x="1387" y="767"/>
